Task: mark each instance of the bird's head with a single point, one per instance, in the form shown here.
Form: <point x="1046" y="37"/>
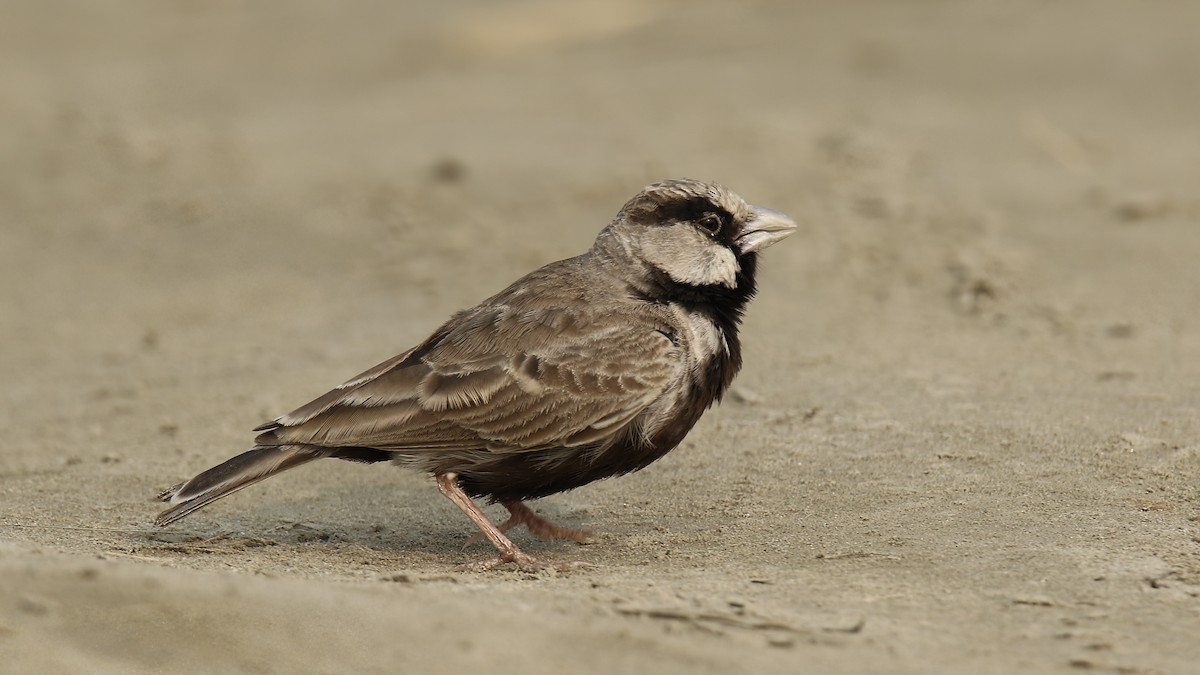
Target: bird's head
<point x="695" y="233"/>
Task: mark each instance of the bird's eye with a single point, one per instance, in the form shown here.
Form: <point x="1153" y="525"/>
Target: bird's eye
<point x="710" y="223"/>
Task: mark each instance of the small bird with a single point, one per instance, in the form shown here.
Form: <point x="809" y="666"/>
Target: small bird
<point x="590" y="367"/>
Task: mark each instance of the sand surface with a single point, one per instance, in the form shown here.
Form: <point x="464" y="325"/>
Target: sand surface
<point x="966" y="437"/>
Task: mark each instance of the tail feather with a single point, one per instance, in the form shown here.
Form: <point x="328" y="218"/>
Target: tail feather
<point x="232" y="475"/>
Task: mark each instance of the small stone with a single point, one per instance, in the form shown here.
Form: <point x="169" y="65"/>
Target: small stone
<point x="1140" y="206"/>
<point x="1121" y="331"/>
<point x="448" y="170"/>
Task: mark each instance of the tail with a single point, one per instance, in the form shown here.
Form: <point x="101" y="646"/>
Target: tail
<point x="232" y="475"/>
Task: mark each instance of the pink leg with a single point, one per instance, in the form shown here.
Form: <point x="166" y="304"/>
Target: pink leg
<point x="539" y="526"/>
<point x="509" y="553"/>
<point x="519" y="514"/>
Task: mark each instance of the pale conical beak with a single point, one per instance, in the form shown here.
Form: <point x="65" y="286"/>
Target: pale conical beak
<point x="767" y="227"/>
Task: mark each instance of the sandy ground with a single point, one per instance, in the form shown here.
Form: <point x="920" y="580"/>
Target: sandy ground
<point x="965" y="440"/>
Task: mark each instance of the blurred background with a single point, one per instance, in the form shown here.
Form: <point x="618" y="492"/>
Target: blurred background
<point x="346" y="136"/>
<point x="212" y="211"/>
<point x="298" y="154"/>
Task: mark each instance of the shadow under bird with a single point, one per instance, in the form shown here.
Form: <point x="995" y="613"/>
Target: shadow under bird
<point x="587" y="368"/>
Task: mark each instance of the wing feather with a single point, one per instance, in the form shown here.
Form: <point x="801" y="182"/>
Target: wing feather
<point x="492" y="379"/>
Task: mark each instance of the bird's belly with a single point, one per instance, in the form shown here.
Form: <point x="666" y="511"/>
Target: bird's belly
<point x="519" y="476"/>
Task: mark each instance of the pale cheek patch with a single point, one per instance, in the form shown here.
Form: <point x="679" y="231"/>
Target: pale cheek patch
<point x="694" y="260"/>
<point x="716" y="266"/>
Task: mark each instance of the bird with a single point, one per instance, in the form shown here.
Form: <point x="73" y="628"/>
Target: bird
<point x="587" y="368"/>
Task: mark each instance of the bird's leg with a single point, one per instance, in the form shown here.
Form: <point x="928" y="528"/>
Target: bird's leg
<point x="509" y="553"/>
<point x="519" y="514"/>
<point x="539" y="526"/>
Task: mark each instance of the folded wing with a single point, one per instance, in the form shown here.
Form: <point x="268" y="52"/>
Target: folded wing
<point x="501" y="378"/>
